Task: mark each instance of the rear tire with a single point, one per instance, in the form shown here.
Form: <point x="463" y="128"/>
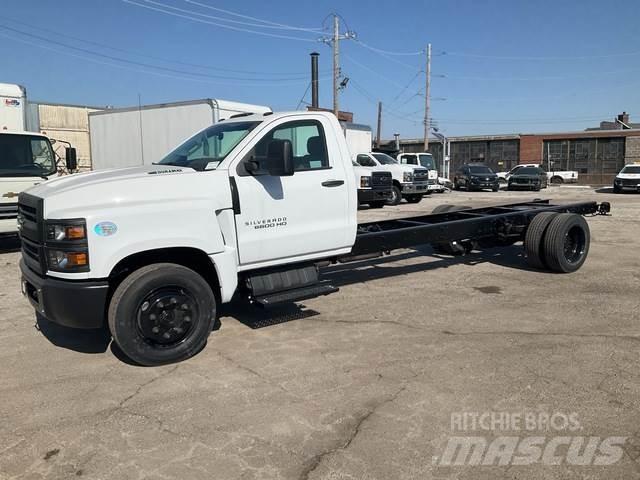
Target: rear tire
<point x="396" y="196"/>
<point x="415" y="198"/>
<point x="557" y="180"/>
<point x="162" y="313"/>
<point x="533" y="241"/>
<point x="566" y="242"/>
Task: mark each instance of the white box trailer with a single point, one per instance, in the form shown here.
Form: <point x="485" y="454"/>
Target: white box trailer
<point x="13" y="107"/>
<point x="126" y="137"/>
<point x="359" y="137"/>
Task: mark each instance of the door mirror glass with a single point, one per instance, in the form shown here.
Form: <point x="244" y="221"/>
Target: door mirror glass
<point x="280" y="158"/>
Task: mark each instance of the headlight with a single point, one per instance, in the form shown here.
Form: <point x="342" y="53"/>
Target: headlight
<point x="64" y="261"/>
<point x="365" y="182"/>
<point x="66" y="245"/>
<point x="407" y="177"/>
<point x="67" y="231"/>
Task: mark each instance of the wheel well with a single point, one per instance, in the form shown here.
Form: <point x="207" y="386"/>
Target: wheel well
<point x="192" y="258"/>
<point x="396" y="183"/>
<point x="557" y="179"/>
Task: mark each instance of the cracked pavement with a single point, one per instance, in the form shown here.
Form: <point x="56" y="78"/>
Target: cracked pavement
<point x="357" y="385"/>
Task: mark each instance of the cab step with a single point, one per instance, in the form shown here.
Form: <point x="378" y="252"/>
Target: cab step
<point x="296" y="294"/>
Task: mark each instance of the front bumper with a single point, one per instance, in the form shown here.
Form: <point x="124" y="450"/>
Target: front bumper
<point x="524" y="186"/>
<point x="366" y="195"/>
<point x="483" y="185"/>
<point x="76" y="304"/>
<point x="411" y="188"/>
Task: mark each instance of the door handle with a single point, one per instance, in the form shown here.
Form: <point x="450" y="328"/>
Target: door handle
<point x="332" y="183"/>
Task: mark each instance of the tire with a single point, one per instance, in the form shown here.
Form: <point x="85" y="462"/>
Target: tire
<point x="566" y="242"/>
<point x="450" y="248"/>
<point x="496" y="188"/>
<point x="376" y="204"/>
<point x="533" y="240"/>
<point x="536" y="189"/>
<point x="557" y="180"/>
<point x="617" y="189"/>
<point x="456" y="186"/>
<point x="181" y="298"/>
<point x="416" y="198"/>
<point x="396" y="196"/>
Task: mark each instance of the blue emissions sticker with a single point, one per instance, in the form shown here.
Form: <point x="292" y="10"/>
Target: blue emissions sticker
<point x="105" y="229"/>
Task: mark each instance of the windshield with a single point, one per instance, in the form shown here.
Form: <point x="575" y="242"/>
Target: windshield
<point x="384" y="159"/>
<point x="206" y="149"/>
<point x="480" y="169"/>
<point x="25" y="156"/>
<point x="427" y="162"/>
<point x="631" y="169"/>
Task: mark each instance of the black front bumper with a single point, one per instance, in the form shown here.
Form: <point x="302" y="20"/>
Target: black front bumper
<point x="366" y="195"/>
<point x="76" y="304"/>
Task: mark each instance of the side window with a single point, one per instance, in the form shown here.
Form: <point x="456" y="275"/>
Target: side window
<point x="365" y="161"/>
<point x="307" y="141"/>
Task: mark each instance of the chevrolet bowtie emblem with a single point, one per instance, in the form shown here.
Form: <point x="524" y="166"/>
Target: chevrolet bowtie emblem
<point x="10" y="195"/>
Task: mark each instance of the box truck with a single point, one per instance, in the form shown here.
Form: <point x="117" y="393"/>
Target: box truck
<point x="128" y="137"/>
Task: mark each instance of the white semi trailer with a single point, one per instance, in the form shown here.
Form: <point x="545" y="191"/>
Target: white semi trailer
<point x="130" y="137"/>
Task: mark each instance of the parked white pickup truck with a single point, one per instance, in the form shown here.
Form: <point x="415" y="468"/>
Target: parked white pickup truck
<point x="250" y="207"/>
<point x="374" y="185"/>
<point x="409" y="182"/>
<point x="555" y="177"/>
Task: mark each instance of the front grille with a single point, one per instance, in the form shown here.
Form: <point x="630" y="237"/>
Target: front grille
<point x="420" y="175"/>
<point x="521" y="180"/>
<point x="381" y="179"/>
<point x="630" y="182"/>
<point x="31" y="229"/>
<point x="8" y="211"/>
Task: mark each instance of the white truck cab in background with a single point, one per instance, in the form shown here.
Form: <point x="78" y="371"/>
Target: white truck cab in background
<point x="409" y="182"/>
<point x="26" y="158"/>
<point x="424" y="160"/>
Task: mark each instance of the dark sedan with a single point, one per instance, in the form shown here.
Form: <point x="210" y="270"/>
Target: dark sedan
<point x="475" y="177"/>
<point x="528" y="178"/>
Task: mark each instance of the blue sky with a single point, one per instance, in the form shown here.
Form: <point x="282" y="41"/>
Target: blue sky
<point x="499" y="66"/>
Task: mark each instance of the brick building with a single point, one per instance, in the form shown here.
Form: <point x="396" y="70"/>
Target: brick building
<point x="596" y="154"/>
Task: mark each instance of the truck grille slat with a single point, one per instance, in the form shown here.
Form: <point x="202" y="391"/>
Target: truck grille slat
<point x="30" y="221"/>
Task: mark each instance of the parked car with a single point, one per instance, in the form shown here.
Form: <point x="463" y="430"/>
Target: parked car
<point x="555" y="177"/>
<point x="475" y="177"/>
<point x="528" y="178"/>
<point x="628" y="179"/>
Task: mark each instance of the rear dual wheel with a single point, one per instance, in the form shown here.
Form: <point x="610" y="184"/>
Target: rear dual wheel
<point x="557" y="241"/>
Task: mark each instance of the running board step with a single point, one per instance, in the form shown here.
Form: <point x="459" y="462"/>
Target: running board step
<point x="296" y="294"/>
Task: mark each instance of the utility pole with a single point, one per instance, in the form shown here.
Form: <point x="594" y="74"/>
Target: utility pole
<point x="334" y="40"/>
<point x="336" y="63"/>
<point x="378" y="134"/>
<point x="427" y="100"/>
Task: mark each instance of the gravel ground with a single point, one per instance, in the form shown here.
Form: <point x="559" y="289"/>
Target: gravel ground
<point x="363" y="384"/>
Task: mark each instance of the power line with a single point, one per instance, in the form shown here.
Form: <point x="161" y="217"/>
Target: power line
<point x="388" y="52"/>
<point x="267" y="22"/>
<point x="218" y="24"/>
<point x="554" y="77"/>
<point x="574" y="57"/>
<point x="295" y="75"/>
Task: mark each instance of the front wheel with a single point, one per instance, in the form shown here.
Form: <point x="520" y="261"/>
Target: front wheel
<point x="396" y="196"/>
<point x="162" y="313"/>
<point x="617" y="189"/>
<point x="496" y="188"/>
<point x="415" y="198"/>
<point x="376" y="204"/>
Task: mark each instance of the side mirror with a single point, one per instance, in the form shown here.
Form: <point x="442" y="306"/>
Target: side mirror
<point x="71" y="158"/>
<point x="280" y="158"/>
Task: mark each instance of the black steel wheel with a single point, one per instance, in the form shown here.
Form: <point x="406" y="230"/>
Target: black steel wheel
<point x="414" y="198"/>
<point x="533" y="240"/>
<point x="162" y="313"/>
<point x="396" y="196"/>
<point x="566" y="242"/>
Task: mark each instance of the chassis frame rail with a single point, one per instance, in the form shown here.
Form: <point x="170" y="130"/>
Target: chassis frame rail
<point x="499" y="222"/>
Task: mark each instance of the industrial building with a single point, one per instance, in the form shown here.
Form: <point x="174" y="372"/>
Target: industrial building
<point x="596" y="154"/>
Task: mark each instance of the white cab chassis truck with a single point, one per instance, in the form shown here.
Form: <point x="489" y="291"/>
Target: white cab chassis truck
<point x="253" y="207"/>
<point x="374" y="185"/>
<point x="424" y="160"/>
<point x="408" y="182"/>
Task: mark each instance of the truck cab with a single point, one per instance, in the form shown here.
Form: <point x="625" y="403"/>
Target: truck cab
<point x="409" y="182"/>
<point x="423" y="160"/>
<point x="374" y="185"/>
<point x="26" y="159"/>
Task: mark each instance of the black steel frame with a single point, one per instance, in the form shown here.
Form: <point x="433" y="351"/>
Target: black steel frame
<point x="501" y="222"/>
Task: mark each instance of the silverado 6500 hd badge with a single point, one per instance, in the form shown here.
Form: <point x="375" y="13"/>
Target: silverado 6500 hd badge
<point x="266" y="223"/>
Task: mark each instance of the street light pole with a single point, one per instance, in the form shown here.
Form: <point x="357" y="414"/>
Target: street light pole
<point x="427" y="99"/>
